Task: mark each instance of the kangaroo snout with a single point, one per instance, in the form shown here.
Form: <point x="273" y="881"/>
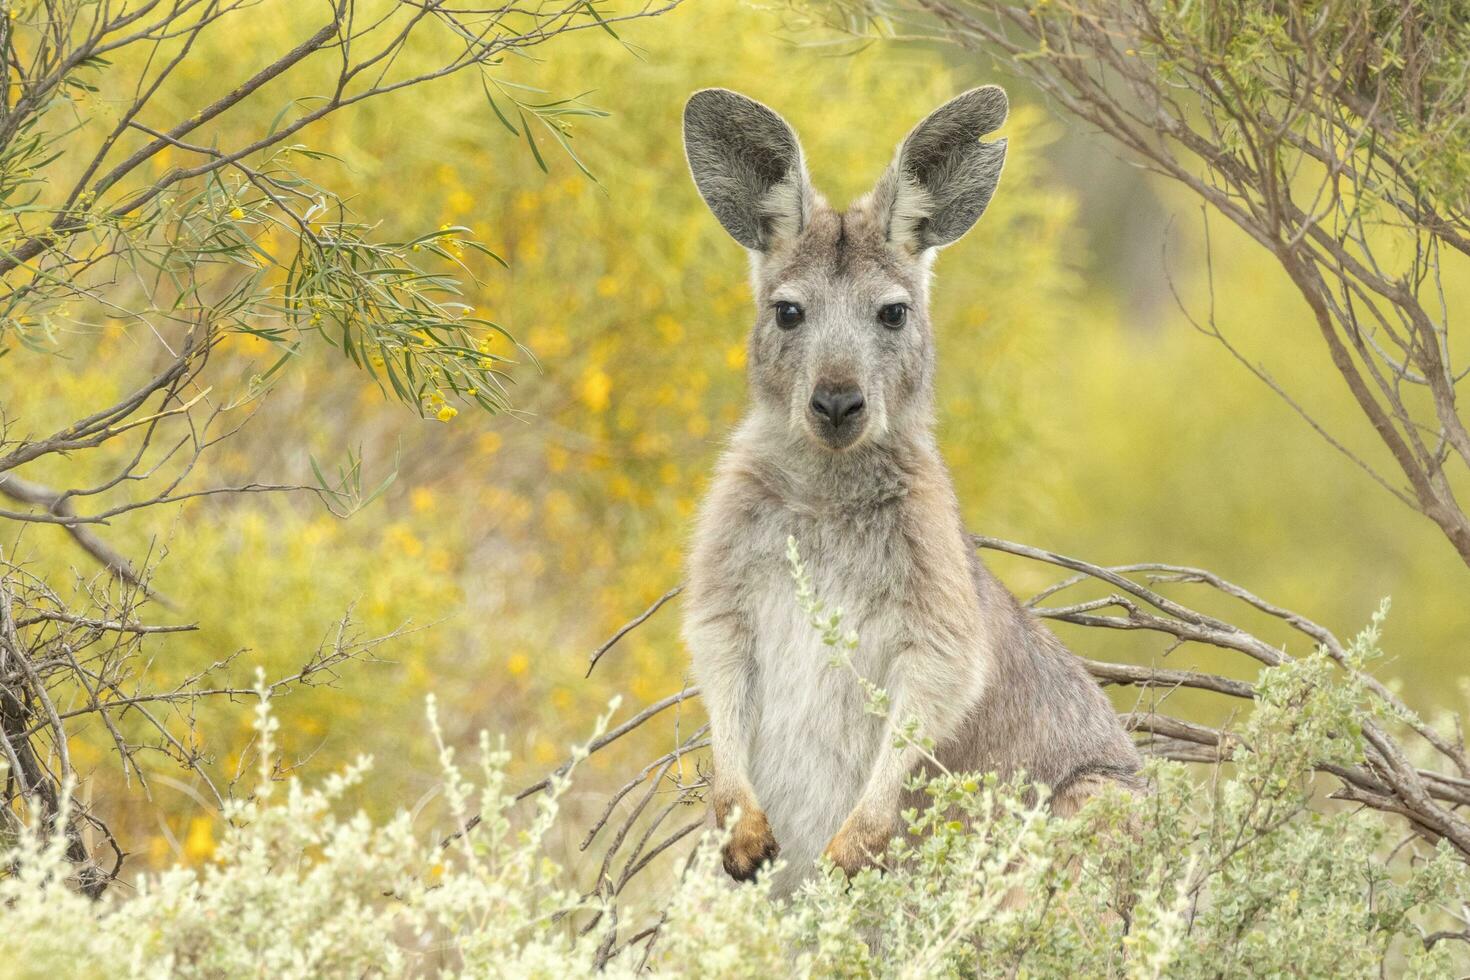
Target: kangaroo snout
<point x="838" y="411"/>
<point x="837" y="404"/>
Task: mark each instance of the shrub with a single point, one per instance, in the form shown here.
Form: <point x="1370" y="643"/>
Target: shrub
<point x="1246" y="873"/>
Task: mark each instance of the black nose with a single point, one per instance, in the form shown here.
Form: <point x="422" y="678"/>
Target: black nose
<point x="837" y="405"/>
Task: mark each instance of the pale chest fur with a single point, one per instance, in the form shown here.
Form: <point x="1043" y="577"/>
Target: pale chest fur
<point x="814" y="741"/>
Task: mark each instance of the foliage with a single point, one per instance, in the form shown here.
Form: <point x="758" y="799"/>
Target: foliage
<point x="235" y="242"/>
<point x="591" y="482"/>
<point x="1075" y="410"/>
<point x="98" y="221"/>
<point x="1245" y="877"/>
<point x="1330" y="132"/>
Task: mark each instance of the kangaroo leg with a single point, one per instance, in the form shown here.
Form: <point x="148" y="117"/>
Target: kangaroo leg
<point x="1077" y="792"/>
<point x="722" y="640"/>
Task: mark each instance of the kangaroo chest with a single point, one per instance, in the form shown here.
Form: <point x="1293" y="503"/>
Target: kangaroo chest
<point x="815" y="741"/>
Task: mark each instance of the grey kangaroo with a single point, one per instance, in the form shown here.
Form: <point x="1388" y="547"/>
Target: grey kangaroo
<point x="837" y="449"/>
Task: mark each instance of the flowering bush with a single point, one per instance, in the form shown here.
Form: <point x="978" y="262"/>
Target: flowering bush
<point x="1243" y="874"/>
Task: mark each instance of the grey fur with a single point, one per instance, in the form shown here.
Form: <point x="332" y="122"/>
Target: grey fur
<point x="747" y="165"/>
<point x="875" y="513"/>
<point x="942" y="179"/>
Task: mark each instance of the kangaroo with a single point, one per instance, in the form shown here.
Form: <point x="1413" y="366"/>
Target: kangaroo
<point x="837" y="449"/>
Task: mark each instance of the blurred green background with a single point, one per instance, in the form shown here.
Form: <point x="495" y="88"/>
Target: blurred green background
<point x="1079" y="409"/>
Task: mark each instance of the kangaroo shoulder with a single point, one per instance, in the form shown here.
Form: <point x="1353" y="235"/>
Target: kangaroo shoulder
<point x="735" y="519"/>
<point x="933" y="531"/>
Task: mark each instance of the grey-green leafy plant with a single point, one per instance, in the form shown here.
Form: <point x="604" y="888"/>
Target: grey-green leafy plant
<point x="1243" y="874"/>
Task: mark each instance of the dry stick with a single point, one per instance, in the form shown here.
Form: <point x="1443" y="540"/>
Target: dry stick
<point x="1111" y="673"/>
<point x="1390" y="762"/>
<point x="105" y="625"/>
<point x="674" y="838"/>
<point x="1319" y="634"/>
<point x="617" y="841"/>
<point x="1174" y="733"/>
<point x="23" y="491"/>
<point x="633" y="865"/>
<point x="652" y="933"/>
<point x="629" y="626"/>
<point x="604" y="886"/>
<point x="37" y="688"/>
<point x="1175" y="728"/>
<point x="694" y="743"/>
<point x="92" y="879"/>
<point x="125" y="754"/>
<point x="97" y="428"/>
<point x="596" y="745"/>
<point x="1204" y="624"/>
<point x="1383" y="755"/>
<point x="667" y="843"/>
<point x="610" y="737"/>
<point x="685" y="795"/>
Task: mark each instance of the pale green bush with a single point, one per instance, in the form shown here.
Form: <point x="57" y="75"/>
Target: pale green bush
<point x="1244" y="873"/>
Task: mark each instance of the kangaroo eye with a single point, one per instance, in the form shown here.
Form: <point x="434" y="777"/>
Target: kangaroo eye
<point x="788" y="315"/>
<point x="893" y="315"/>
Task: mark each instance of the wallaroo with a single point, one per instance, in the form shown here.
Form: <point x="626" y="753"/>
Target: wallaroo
<point x="837" y="449"/>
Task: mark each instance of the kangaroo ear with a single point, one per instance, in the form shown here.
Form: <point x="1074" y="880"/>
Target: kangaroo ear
<point x="942" y="178"/>
<point x="748" y="167"/>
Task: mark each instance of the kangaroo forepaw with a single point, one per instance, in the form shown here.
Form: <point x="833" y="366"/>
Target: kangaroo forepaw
<point x="750" y="847"/>
<point x="858" y="845"/>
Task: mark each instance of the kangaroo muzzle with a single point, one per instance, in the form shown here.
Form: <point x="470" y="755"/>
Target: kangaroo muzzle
<point x="837" y="414"/>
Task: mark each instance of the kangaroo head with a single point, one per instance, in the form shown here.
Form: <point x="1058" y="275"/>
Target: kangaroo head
<point x="842" y="350"/>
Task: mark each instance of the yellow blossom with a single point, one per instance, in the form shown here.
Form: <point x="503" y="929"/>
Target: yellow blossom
<point x="199" y="843"/>
<point x="446" y="412"/>
<point x="399" y="536"/>
<point x="596" y="389"/>
<point x="549" y="342"/>
<point x="460" y="202"/>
